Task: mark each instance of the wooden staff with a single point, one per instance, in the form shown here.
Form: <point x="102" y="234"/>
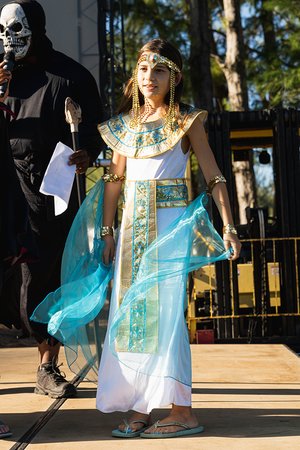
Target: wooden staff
<point x="73" y="117"/>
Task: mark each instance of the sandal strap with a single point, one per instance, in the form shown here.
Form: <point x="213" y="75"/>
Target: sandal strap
<point x="169" y="424"/>
<point x="145" y="422"/>
<point x="128" y="424"/>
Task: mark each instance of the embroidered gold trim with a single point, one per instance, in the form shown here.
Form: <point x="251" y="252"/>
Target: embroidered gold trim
<point x="139" y="229"/>
<point x="151" y="140"/>
<point x="171" y="193"/>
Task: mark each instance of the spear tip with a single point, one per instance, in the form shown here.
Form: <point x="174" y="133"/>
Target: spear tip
<point x="72" y="113"/>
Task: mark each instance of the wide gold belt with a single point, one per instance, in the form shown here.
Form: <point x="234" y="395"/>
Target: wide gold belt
<point x="170" y="193"/>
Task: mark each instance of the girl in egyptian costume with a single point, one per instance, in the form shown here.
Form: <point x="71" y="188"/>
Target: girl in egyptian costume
<point x="145" y="361"/>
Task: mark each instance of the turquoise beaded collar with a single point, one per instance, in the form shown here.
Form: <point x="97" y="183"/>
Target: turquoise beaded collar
<point x="151" y="139"/>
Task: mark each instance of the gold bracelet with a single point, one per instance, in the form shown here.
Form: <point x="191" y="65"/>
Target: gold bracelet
<point x="106" y="231"/>
<point x="229" y="229"/>
<point x="215" y="180"/>
<point x="112" y="178"/>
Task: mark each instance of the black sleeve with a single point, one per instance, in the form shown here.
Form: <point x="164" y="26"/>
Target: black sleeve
<point x="14" y="218"/>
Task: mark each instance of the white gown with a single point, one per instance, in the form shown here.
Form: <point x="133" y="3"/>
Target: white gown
<point x="146" y="361"/>
<point x="121" y="388"/>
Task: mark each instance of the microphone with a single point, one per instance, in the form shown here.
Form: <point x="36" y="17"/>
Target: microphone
<point x="9" y="59"/>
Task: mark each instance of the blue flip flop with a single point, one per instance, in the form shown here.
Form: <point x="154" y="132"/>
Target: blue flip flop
<point x="128" y="432"/>
<point x="187" y="431"/>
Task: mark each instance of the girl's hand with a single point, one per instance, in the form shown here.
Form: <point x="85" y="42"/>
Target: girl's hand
<point x="232" y="241"/>
<point x="109" y="249"/>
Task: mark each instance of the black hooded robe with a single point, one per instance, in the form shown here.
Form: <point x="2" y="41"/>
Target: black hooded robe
<point x="37" y="94"/>
<point x="16" y="239"/>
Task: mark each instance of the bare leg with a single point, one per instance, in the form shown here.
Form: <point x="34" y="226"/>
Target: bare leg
<point x="50" y="380"/>
<point x="48" y="352"/>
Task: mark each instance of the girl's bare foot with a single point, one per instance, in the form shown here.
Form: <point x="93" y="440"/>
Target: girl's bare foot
<point x="136" y="426"/>
<point x="182" y="414"/>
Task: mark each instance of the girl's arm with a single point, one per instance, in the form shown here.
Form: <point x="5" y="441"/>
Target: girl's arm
<point x="111" y="196"/>
<point x="210" y="169"/>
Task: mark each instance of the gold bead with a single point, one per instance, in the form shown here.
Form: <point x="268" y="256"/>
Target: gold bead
<point x="229" y="228"/>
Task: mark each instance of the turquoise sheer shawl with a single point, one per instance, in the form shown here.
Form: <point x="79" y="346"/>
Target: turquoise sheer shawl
<point x="75" y="311"/>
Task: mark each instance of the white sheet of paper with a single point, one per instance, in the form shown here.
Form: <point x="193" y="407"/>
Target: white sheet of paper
<point x="59" y="177"/>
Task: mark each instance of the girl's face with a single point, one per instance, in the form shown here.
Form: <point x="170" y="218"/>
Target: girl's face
<point x="153" y="82"/>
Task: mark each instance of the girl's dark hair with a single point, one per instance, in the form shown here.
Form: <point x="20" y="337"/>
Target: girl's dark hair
<point x="163" y="48"/>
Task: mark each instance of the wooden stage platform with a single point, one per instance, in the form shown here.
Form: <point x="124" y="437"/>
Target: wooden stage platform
<point x="246" y="396"/>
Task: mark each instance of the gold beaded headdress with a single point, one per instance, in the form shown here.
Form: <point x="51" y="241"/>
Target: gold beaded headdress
<point x="153" y="59"/>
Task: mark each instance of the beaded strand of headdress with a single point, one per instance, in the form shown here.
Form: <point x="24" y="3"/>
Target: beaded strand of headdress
<point x="135" y="121"/>
<point x="171" y="114"/>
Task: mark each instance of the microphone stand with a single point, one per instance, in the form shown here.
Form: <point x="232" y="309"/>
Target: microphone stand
<point x="73" y="117"/>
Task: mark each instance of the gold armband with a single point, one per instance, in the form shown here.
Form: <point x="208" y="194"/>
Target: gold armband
<point x="106" y="231"/>
<point x="112" y="178"/>
<point x="229" y="229"/>
<point x="215" y="180"/>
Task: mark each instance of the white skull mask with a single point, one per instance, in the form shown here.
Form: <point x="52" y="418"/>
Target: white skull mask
<point x="14" y="30"/>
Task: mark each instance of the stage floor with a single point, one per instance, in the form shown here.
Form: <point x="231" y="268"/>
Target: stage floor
<point x="246" y="396"/>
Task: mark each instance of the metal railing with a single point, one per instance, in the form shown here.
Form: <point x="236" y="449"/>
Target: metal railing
<point x="263" y="284"/>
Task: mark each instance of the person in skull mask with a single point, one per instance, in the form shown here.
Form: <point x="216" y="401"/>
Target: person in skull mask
<point x="42" y="78"/>
<point x="8" y="247"/>
<point x="16" y="243"/>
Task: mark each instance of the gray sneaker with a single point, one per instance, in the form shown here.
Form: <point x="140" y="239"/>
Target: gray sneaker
<point x="51" y="381"/>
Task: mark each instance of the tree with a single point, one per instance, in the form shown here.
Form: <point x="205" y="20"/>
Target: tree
<point x="234" y="70"/>
<point x="234" y="64"/>
<point x="201" y="78"/>
<point x="270" y="45"/>
<point x="274" y="53"/>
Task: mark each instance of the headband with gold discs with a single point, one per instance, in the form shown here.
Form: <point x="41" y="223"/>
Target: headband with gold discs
<point x="153" y="59"/>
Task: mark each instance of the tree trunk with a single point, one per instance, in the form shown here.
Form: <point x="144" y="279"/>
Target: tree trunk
<point x="234" y="68"/>
<point x="201" y="79"/>
<point x="235" y="73"/>
<point x="270" y="46"/>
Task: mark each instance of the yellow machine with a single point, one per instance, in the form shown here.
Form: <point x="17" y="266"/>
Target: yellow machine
<point x="205" y="281"/>
<point x="202" y="306"/>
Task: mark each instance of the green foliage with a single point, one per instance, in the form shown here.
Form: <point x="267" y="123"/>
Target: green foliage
<point x="150" y="19"/>
<point x="284" y="7"/>
<point x="274" y="68"/>
<point x="220" y="85"/>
